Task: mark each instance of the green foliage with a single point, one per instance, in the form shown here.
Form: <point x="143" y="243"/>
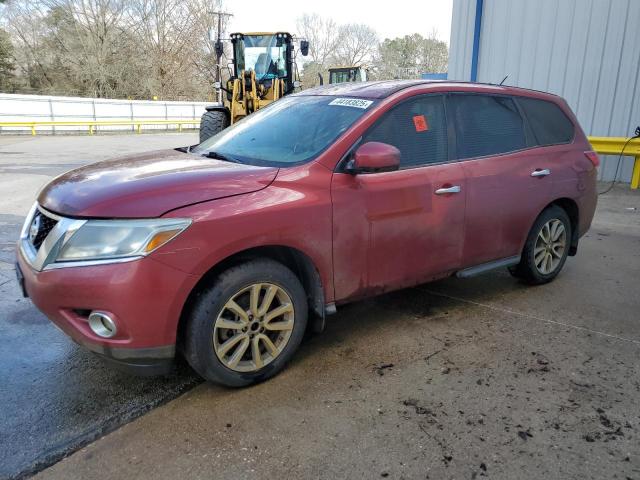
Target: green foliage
<point x="7" y="63"/>
<point x="411" y="55"/>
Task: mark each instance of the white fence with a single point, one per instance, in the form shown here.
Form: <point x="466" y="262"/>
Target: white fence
<point x="29" y="108"/>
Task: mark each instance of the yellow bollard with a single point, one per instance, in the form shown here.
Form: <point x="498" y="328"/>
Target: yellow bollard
<point x="179" y="128"/>
<point x="635" y="176"/>
<point x="139" y="128"/>
<point x="33" y="129"/>
<point x="90" y="129"/>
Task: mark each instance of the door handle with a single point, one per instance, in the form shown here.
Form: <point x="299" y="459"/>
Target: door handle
<point x="541" y="173"/>
<point x="443" y="191"/>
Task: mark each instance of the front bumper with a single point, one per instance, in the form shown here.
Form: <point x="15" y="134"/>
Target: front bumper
<point x="144" y="297"/>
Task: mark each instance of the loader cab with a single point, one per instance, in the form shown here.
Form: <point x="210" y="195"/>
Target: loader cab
<point x="268" y="55"/>
<point x="263" y="71"/>
<point x="347" y="74"/>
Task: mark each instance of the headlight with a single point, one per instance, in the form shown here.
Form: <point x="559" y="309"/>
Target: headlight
<point x="110" y="239"/>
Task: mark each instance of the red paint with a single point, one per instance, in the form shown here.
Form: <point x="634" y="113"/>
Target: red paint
<point x="145" y="298"/>
<point x="364" y="233"/>
<point x="148" y="185"/>
<point x="373" y="156"/>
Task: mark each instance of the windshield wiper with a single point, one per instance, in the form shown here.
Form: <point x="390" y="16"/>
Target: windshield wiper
<point x="220" y="156"/>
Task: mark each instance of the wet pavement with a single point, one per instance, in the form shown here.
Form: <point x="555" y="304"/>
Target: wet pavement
<point x="56" y="396"/>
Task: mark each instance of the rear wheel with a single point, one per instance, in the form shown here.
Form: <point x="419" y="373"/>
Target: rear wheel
<point x="546" y="248"/>
<point x="212" y="123"/>
<point x="247" y="325"/>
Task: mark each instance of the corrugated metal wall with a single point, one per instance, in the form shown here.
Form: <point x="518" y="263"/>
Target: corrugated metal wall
<point x="587" y="51"/>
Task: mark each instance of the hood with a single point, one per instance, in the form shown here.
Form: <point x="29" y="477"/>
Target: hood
<point x="149" y="185"/>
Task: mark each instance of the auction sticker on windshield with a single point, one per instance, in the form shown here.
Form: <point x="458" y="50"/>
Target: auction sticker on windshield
<point x="351" y="102"/>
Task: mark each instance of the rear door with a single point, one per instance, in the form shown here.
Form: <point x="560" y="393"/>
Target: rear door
<point x="508" y="183"/>
<point x="394" y="229"/>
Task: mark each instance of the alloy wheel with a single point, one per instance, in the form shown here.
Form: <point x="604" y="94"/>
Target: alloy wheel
<point x="253" y="327"/>
<point x="550" y="246"/>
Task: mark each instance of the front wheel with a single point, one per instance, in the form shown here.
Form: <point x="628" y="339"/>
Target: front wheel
<point x="546" y="248"/>
<point x="248" y="324"/>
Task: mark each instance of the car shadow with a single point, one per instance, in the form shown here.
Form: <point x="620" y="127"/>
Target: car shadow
<point x="431" y="302"/>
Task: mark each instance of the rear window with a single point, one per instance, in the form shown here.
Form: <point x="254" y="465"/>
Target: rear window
<point x="486" y="125"/>
<point x="549" y="124"/>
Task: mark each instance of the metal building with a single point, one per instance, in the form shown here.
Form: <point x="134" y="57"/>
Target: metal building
<point x="587" y="51"/>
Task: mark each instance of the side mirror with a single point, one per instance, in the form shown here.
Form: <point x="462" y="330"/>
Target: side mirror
<point x="375" y="157"/>
<point x="304" y="47"/>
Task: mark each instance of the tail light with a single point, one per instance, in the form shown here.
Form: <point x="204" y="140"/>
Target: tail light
<point x="593" y="156"/>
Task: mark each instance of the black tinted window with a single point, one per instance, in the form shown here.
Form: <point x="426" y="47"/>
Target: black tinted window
<point x="548" y="122"/>
<point x="486" y="125"/>
<point x="418" y="128"/>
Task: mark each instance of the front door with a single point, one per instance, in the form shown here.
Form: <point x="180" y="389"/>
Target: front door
<point x="395" y="229"/>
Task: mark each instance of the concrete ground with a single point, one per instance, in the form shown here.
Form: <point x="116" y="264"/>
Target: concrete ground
<point x="57" y="396"/>
<point x="473" y="378"/>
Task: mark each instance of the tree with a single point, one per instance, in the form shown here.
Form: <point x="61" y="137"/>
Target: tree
<point x="357" y="43"/>
<point x="91" y="35"/>
<point x="411" y="55"/>
<point x="323" y="36"/>
<point x="112" y="48"/>
<point x="167" y="30"/>
<point x="7" y="65"/>
<point x="332" y="45"/>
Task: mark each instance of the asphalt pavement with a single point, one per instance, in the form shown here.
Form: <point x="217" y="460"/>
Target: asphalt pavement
<point x="56" y="396"/>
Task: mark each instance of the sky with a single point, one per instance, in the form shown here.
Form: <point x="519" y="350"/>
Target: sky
<point x="390" y="19"/>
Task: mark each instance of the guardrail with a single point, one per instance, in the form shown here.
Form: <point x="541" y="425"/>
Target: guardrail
<point x="92" y="124"/>
<point x="603" y="145"/>
<point x="614" y="146"/>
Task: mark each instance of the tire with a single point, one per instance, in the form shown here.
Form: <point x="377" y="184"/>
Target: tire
<point x="206" y="347"/>
<point x="212" y="123"/>
<point x="553" y="257"/>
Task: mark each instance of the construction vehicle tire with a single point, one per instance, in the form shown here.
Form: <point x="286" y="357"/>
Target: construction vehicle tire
<point x="212" y="123"/>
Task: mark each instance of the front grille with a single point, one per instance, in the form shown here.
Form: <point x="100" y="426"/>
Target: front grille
<point x="41" y="226"/>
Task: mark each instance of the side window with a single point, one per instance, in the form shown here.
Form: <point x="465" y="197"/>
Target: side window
<point x="548" y="122"/>
<point x="416" y="127"/>
<point x="486" y="125"/>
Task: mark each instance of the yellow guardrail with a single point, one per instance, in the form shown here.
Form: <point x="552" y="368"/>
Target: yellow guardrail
<point x="93" y="124"/>
<point x="614" y="145"/>
<point x="603" y="145"/>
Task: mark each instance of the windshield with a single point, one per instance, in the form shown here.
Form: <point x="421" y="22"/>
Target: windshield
<point x="292" y="130"/>
<point x="348" y="75"/>
<point x="341" y="76"/>
<point x="262" y="54"/>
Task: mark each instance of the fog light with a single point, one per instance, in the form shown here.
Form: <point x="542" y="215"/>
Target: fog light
<point x="102" y="324"/>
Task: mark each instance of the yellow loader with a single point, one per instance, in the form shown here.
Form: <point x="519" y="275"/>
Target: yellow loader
<point x="263" y="70"/>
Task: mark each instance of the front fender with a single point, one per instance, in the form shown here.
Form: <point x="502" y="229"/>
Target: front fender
<point x="294" y="211"/>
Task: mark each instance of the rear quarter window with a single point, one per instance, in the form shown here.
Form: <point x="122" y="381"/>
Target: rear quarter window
<point x="548" y="123"/>
<point x="486" y="125"/>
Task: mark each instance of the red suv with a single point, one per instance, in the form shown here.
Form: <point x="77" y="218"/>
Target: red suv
<point x="227" y="251"/>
